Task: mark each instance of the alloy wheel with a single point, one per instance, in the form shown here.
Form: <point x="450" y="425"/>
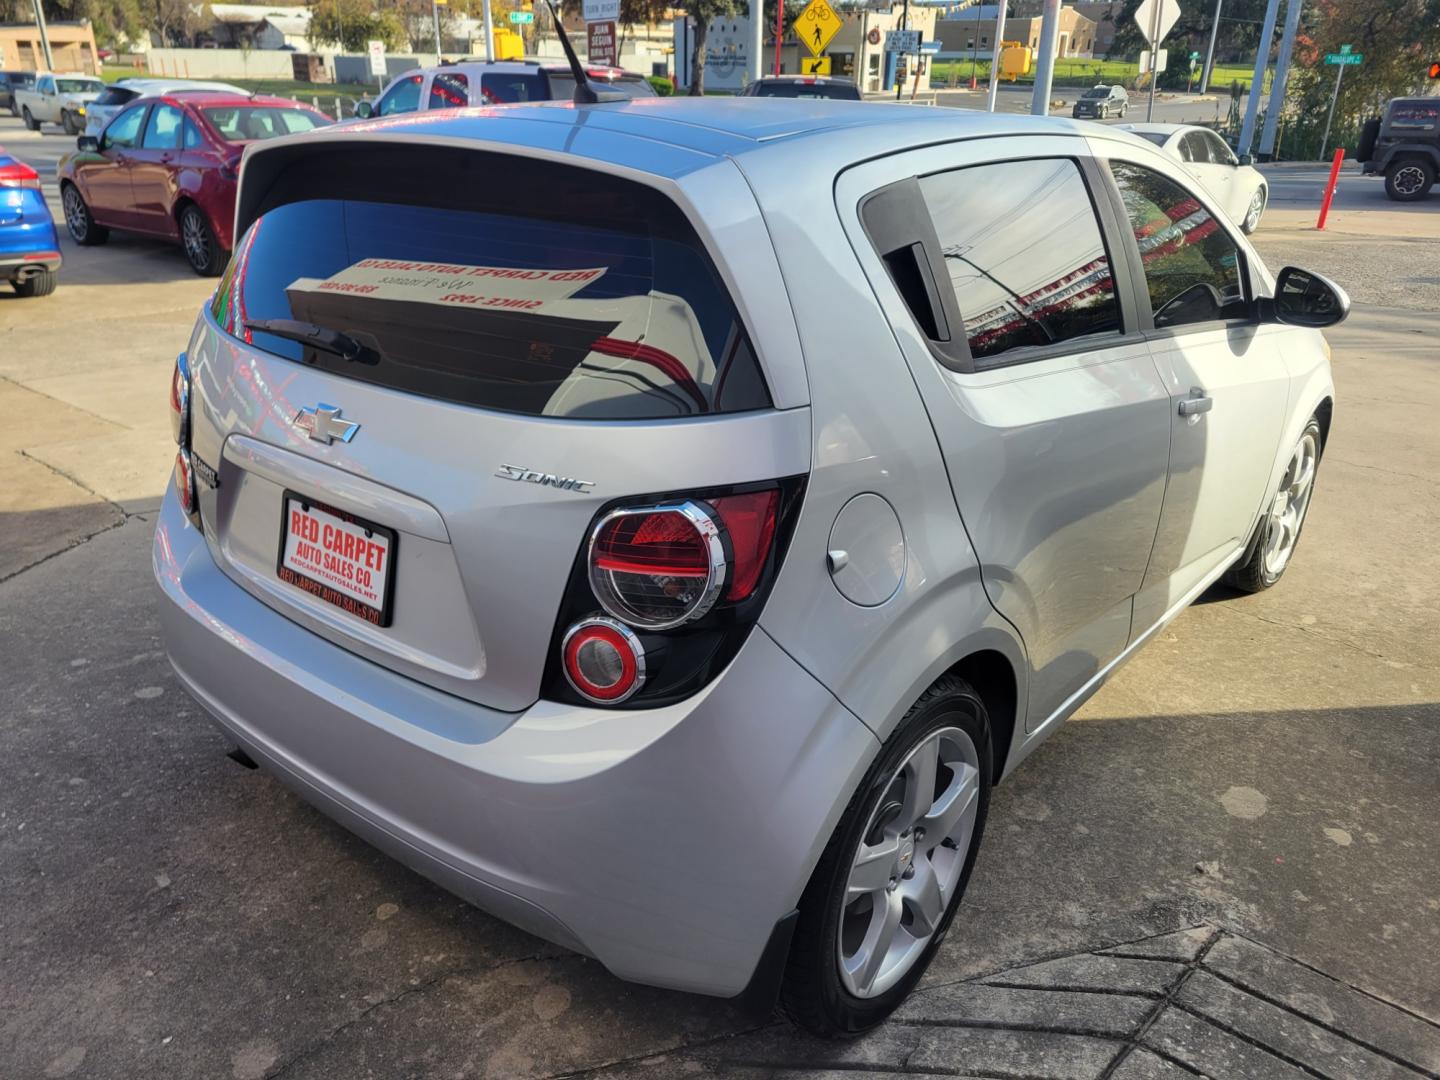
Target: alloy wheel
<point x="1287" y="512"/>
<point x="197" y="242"/>
<point x="1409" y="179"/>
<point x="908" y="864"/>
<point x="77" y="218"/>
<point x="1257" y="207"/>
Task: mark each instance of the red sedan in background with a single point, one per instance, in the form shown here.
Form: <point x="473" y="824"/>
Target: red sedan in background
<point x="168" y="166"/>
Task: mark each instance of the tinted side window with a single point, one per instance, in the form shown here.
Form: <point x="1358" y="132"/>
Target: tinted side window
<point x="508" y="89"/>
<point x="449" y="90"/>
<point x="124" y="130"/>
<point x="403" y="97"/>
<point x="1192" y="268"/>
<point x="1025" y="255"/>
<point x="1220" y="153"/>
<point x="163" y="130"/>
<point x="192" y="139"/>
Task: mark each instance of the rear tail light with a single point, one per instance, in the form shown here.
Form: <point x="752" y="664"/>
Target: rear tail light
<point x="19" y="175"/>
<point x="185" y="481"/>
<point x="678" y="583"/>
<point x="604" y="660"/>
<point x="180" y="401"/>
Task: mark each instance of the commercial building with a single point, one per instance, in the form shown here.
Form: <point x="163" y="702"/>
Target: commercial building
<point x="72" y="46"/>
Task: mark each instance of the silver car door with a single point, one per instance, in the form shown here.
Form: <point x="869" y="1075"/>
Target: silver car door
<point x="989" y="260"/>
<point x="1226" y="374"/>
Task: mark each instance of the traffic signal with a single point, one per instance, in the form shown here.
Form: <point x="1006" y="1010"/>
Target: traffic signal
<point x="1435" y="69"/>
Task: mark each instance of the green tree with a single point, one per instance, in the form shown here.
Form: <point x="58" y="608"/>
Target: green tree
<point x="349" y="24"/>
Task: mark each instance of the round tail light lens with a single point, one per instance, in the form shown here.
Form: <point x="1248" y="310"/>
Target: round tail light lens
<point x="658" y="566"/>
<point x="603" y="660"/>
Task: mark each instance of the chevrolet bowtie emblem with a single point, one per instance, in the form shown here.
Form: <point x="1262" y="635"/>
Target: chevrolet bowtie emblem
<point x="323" y="424"/>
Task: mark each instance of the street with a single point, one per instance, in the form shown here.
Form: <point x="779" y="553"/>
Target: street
<point x="1226" y="864"/>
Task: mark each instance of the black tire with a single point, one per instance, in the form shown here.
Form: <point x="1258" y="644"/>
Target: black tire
<point x="1248" y="226"/>
<point x="1104" y="112"/>
<point x="67" y="121"/>
<point x="202" y="250"/>
<point x="30" y="122"/>
<point x="812" y="993"/>
<point x="1409" y="179"/>
<point x="79" y="222"/>
<point x="41" y="284"/>
<point x="1252" y="576"/>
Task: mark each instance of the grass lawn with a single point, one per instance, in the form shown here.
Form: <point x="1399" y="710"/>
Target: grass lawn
<point x="1074" y="72"/>
<point x="303" y="91"/>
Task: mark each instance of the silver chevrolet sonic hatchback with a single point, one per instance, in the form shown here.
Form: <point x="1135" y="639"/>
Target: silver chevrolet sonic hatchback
<point x="661" y="523"/>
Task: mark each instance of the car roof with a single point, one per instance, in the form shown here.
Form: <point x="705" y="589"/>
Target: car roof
<point x="548" y="66"/>
<point x="1159" y="129"/>
<point x="805" y="79"/>
<point x="205" y="99"/>
<point x="141" y="82"/>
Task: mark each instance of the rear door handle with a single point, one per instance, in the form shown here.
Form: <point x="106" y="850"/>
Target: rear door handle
<point x="1196" y="403"/>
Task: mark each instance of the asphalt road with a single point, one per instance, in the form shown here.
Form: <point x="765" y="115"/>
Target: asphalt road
<point x="1257" y="787"/>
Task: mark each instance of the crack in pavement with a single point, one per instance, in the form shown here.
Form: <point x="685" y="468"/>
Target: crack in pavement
<point x="1313" y="633"/>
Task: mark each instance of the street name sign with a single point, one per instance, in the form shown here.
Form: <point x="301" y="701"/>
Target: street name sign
<point x="817" y="25"/>
<point x="1344" y="59"/>
<point x="518" y="18"/>
<point x="600" y="43"/>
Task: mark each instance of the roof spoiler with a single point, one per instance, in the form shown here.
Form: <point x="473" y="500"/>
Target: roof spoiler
<point x="586" y="92"/>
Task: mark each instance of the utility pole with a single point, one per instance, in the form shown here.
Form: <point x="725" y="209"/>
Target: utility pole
<point x="1154" y="61"/>
<point x="1045" y="64"/>
<point x="1257" y="81"/>
<point x="1282" y="72"/>
<point x="44" y="36"/>
<point x="1210" y="53"/>
<point x="435" y="14"/>
<point x="995" y="57"/>
<point x="490" y="34"/>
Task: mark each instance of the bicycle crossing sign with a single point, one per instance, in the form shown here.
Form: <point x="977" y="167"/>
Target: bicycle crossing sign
<point x="817" y="25"/>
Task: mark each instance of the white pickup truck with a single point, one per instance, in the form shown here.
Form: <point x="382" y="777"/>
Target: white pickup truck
<point x="57" y="99"/>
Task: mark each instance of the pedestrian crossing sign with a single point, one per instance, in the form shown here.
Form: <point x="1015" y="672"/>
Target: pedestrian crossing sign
<point x="817" y="25"/>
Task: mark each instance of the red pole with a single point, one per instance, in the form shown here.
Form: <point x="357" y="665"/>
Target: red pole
<point x="779" y="31"/>
<point x="1330" y="187"/>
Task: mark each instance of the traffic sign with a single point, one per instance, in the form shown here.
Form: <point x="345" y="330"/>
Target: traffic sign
<point x="902" y="41"/>
<point x="1162" y="58"/>
<point x="600" y="43"/>
<point x="518" y="18"/>
<point x="376" y="51"/>
<point x="1154" y="25"/>
<point x="601" y="10"/>
<point x="1344" y="59"/>
<point x="815" y="65"/>
<point x="817" y="25"/>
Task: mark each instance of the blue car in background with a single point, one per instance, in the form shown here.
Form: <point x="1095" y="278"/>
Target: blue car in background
<point x="29" y="245"/>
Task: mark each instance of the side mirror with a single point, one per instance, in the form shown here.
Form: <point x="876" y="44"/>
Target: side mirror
<point x="1247" y="159"/>
<point x="364" y="109"/>
<point x="88" y="143"/>
<point x="1305" y="298"/>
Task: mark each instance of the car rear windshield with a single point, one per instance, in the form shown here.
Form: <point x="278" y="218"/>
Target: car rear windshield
<point x="1098" y="92"/>
<point x="250" y="123"/>
<point x="1159" y="138"/>
<point x="116" y="95"/>
<point x="562" y="86"/>
<point x="560" y="292"/>
<point x="78" y="86"/>
<point x="830" y="91"/>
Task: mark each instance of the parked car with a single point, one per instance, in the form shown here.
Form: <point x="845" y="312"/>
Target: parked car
<point x="167" y="166"/>
<point x="671" y="560"/>
<point x="119" y="94"/>
<point x="802" y="86"/>
<point x="1404" y="147"/>
<point x="1241" y="189"/>
<point x="503" y="82"/>
<point x="1100" y="102"/>
<point x="57" y="99"/>
<point x="29" y="248"/>
<point x="10" y="81"/>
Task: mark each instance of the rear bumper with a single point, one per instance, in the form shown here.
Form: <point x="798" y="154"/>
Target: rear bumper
<point x="13" y="265"/>
<point x="666" y="842"/>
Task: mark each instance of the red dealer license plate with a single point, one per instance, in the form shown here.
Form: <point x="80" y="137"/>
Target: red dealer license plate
<point x="338" y="557"/>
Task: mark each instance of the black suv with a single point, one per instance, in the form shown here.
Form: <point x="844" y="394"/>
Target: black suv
<point x="1404" y="147"/>
<point x="10" y="81"/>
<point x="1100" y="102"/>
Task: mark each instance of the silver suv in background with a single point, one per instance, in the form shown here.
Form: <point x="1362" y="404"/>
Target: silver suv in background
<point x="669" y="548"/>
<point x="502" y="82"/>
<point x="1101" y="102"/>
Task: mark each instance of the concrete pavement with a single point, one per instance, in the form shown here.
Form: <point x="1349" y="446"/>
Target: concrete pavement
<point x="1249" y="806"/>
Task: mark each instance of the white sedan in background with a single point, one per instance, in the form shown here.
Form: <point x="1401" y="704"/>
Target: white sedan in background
<point x="1239" y="188"/>
<point x="117" y="95"/>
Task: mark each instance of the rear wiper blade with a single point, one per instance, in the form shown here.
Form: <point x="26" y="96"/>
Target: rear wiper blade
<point x="320" y="337"/>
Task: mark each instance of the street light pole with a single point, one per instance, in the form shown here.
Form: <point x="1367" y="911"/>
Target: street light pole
<point x="904" y="25"/>
<point x="490" y="34"/>
<point x="44" y="36"/>
<point x="1282" y="72"/>
<point x="995" y="57"/>
<point x="1045" y="66"/>
<point x="1210" y="52"/>
<point x="1325" y="139"/>
<point x="1257" y="81"/>
<point x="435" y="14"/>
